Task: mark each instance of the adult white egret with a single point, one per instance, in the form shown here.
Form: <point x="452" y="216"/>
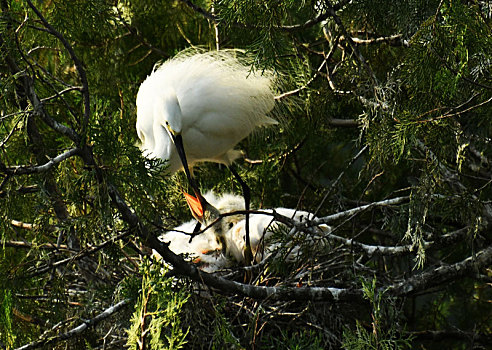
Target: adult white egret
<point x="196" y="107"/>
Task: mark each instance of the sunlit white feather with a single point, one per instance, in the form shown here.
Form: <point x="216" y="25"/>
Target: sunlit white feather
<point x="212" y="98"/>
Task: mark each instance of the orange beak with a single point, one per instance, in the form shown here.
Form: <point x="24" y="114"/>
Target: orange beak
<point x="195" y="206"/>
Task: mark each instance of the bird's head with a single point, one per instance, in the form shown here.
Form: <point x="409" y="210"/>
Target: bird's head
<point x="173" y="119"/>
<point x="207" y="215"/>
<point x="204" y="212"/>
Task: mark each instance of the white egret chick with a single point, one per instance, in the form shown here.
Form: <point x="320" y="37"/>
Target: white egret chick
<point x="262" y="228"/>
<point x="207" y="249"/>
<point x="196" y="107"/>
<point x="204" y="250"/>
<point x="231" y="229"/>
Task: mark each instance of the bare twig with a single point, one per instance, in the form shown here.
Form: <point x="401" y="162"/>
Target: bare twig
<point x="29" y="245"/>
<point x="394" y="40"/>
<point x="295" y="91"/>
<point x="450" y="115"/>
<point x="23" y="225"/>
<point x="59" y="93"/>
<point x="353" y="211"/>
<point x="332" y="12"/>
<point x="344" y="123"/>
<point x="361" y="151"/>
<point x="318" y="19"/>
<point x="81" y="254"/>
<point x="23" y="170"/>
<point x="199" y="10"/>
<point x="79" y="329"/>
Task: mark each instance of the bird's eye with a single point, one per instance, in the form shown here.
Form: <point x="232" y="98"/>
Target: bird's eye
<point x="231" y="225"/>
<point x="167" y="123"/>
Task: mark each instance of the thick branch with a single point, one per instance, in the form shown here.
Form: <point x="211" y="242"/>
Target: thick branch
<point x="180" y="267"/>
<point x="442" y="274"/>
<point x="371" y="250"/>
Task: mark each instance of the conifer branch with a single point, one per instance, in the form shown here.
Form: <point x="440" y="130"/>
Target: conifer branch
<point x="332" y="12"/>
<point x="447" y="334"/>
<point x="452" y="177"/>
<point x="134" y="31"/>
<point x="78" y="256"/>
<point x="26" y="89"/>
<point x="318" y="19"/>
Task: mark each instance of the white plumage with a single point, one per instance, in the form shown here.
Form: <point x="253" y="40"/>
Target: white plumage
<point x="205" y="248"/>
<point x="261" y="229"/>
<point x="210" y="98"/>
<point x="196" y="107"/>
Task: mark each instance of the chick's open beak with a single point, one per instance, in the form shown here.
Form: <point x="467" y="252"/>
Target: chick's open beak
<point x="195" y="205"/>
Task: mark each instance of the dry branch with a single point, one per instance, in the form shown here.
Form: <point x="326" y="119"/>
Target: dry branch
<point x="23" y="170"/>
<point x="79" y="329"/>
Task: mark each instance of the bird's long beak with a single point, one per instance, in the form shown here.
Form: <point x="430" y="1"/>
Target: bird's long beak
<point x="178" y="142"/>
<point x="197" y="204"/>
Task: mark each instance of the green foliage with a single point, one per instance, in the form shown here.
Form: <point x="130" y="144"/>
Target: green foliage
<point x="384" y="332"/>
<point x="305" y="340"/>
<point x="423" y="111"/>
<point x="6" y="333"/>
<point x="224" y="337"/>
<point x="156" y="319"/>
